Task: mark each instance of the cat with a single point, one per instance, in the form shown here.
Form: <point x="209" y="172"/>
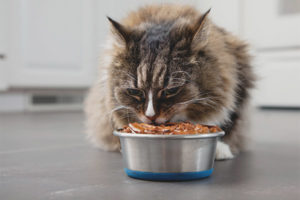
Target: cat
<point x="171" y="63"/>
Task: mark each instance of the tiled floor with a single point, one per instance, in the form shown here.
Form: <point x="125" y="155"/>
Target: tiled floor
<point x="44" y="156"/>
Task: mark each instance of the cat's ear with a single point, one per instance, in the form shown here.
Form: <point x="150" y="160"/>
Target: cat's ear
<point x="122" y="33"/>
<point x="200" y="30"/>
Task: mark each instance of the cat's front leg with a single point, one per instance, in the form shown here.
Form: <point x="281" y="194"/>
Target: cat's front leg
<point x="223" y="151"/>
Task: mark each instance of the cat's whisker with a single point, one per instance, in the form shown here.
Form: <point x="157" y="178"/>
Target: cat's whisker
<point x="127" y="74"/>
<point x="127" y="116"/>
<point x="183" y="72"/>
<point x="182" y="79"/>
<point x="118" y="108"/>
<point x="205" y="101"/>
<point x="120" y="117"/>
<point x="112" y="121"/>
<point x="126" y="83"/>
<point x="193" y="101"/>
<point x="178" y="83"/>
<point x="209" y="105"/>
<point x="212" y="102"/>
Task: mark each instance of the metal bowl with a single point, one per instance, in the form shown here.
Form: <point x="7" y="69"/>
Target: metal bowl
<point x="168" y="157"/>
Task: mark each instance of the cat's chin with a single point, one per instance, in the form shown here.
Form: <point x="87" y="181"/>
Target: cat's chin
<point x="144" y="119"/>
<point x="161" y="120"/>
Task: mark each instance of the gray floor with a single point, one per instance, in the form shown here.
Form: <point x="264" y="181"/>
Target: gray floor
<point x="44" y="156"/>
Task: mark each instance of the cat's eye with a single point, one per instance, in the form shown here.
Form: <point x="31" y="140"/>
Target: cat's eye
<point x="136" y="93"/>
<point x="167" y="93"/>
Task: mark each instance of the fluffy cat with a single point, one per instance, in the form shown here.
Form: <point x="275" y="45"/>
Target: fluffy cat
<point x="170" y="63"/>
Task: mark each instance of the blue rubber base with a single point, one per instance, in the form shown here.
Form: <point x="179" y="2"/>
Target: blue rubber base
<point x="156" y="176"/>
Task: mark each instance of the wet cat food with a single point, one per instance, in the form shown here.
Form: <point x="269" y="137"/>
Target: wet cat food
<point x="178" y="128"/>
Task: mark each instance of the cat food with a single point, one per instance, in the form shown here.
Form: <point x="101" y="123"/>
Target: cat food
<point x="182" y="128"/>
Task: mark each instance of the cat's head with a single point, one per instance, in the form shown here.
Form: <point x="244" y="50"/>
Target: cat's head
<point x="164" y="70"/>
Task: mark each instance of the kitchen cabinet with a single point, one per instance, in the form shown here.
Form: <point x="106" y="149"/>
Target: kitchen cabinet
<point x="3" y="44"/>
<point x="273" y="29"/>
<point x="279" y="79"/>
<point x="272" y="24"/>
<point x="52" y="43"/>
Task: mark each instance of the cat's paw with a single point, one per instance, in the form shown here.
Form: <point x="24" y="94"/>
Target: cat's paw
<point x="223" y="151"/>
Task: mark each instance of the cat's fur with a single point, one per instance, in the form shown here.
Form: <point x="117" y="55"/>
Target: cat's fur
<point x="168" y="63"/>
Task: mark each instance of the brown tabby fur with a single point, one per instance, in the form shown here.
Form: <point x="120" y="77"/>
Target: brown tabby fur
<point x="160" y="47"/>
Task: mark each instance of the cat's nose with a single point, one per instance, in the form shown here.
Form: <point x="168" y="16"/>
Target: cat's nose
<point x="150" y="112"/>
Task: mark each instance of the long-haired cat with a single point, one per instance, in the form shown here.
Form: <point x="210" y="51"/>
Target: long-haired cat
<point x="170" y="63"/>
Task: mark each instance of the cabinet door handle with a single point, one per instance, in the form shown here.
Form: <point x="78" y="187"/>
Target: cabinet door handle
<point x="2" y="56"/>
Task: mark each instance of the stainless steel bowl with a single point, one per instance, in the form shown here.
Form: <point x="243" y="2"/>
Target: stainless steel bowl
<point x="168" y="157"/>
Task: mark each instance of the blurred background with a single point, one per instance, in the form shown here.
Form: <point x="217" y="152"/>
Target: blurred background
<point x="49" y="49"/>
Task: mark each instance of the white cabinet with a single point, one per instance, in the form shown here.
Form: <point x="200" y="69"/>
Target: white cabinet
<point x="272" y="23"/>
<point x="273" y="28"/>
<point x="279" y="79"/>
<point x="52" y="43"/>
<point x="3" y="44"/>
